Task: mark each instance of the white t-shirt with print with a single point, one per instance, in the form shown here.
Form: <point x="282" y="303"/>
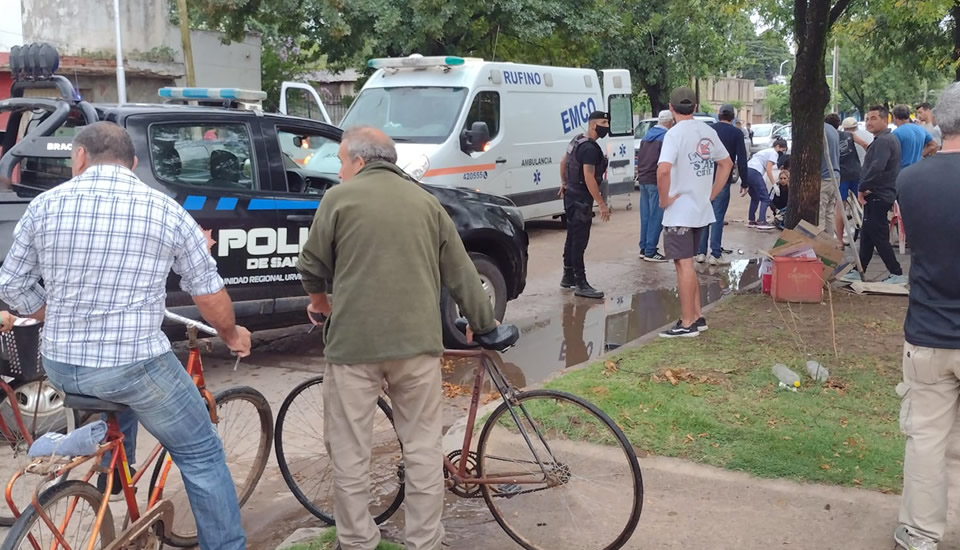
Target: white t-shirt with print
<point x="693" y="149"/>
<point x="759" y="161"/>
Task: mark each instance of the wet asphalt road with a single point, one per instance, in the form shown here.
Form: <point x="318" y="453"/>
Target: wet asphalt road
<point x="558" y="330"/>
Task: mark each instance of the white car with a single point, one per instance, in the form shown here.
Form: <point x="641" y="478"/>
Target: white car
<point x="762" y="136"/>
<point x="785" y="132"/>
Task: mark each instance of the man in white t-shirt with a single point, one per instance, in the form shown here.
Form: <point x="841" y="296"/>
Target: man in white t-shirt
<point x="694" y="166"/>
<point x="760" y="164"/>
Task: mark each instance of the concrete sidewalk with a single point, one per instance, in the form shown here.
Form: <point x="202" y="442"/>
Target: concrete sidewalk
<point x="694" y="507"/>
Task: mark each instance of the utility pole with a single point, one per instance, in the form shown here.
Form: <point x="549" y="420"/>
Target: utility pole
<point x="185" y="41"/>
<point x="836" y="75"/>
<point x="121" y="74"/>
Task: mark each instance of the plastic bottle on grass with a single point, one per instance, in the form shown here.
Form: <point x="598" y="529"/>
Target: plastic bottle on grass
<point x="787" y="377"/>
<point x="817" y="371"/>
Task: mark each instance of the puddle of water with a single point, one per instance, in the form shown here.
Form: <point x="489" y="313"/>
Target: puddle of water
<point x="586" y="329"/>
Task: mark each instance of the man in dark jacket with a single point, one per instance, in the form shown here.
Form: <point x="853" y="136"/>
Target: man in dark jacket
<point x="878" y="191"/>
<point x="732" y="139"/>
<point x="651" y="215"/>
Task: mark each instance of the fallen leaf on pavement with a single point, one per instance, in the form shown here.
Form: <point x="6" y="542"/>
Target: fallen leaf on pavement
<point x="453" y="390"/>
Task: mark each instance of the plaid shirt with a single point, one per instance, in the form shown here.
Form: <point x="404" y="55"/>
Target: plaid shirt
<point x="104" y="243"/>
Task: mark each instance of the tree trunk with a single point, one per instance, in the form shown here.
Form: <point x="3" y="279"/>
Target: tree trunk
<point x="655" y="93"/>
<point x="809" y="96"/>
<point x="955" y="13"/>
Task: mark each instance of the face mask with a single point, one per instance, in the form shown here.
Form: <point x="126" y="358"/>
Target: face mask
<point x="602" y="131"/>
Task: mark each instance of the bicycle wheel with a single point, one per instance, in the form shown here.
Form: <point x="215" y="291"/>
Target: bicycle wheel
<point x="587" y="494"/>
<point x="41" y="411"/>
<point x="78" y="499"/>
<point x="306" y="468"/>
<point x="243" y="412"/>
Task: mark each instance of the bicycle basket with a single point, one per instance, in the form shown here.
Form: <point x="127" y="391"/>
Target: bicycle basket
<point x="20" y="352"/>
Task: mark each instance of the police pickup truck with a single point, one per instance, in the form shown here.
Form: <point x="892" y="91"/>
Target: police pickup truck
<point x="252" y="180"/>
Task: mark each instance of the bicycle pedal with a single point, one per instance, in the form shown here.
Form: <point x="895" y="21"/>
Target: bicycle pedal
<point x="509" y="490"/>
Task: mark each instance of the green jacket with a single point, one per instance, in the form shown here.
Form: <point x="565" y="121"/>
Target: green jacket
<point x="383" y="247"/>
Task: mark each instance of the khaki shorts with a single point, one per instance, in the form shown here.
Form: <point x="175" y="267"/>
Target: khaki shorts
<point x="680" y="243"/>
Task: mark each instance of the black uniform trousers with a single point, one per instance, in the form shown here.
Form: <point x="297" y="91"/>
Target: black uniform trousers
<point x="579" y="214"/>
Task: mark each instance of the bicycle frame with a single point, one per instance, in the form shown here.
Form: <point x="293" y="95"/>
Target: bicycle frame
<point x="5" y="430"/>
<point x="488" y="365"/>
<point x="156" y="508"/>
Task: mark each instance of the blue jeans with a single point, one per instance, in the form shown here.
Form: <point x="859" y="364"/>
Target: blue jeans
<point x="651" y="219"/>
<point x="759" y="195"/>
<point x="165" y="400"/>
<point x="715" y="230"/>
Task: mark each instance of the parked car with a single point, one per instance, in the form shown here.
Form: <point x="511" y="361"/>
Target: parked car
<point x="254" y="180"/>
<point x="762" y="136"/>
<point x="785" y="132"/>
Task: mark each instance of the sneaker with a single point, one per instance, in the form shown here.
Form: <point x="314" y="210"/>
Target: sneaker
<point x="751" y="224"/>
<point x="117" y="488"/>
<point x="657" y="258"/>
<point x="642" y="255"/>
<point x="895" y="280"/>
<point x="722" y="260"/>
<point x="701" y="324"/>
<point x="905" y="540"/>
<point x="852" y="277"/>
<point x="701" y="258"/>
<point x="765" y="226"/>
<point x="680" y="331"/>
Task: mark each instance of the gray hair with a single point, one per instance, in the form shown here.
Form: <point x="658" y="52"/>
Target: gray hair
<point x="370" y="144"/>
<point x="947" y="111"/>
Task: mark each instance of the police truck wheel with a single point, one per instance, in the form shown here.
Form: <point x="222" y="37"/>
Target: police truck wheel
<point x="493" y="284"/>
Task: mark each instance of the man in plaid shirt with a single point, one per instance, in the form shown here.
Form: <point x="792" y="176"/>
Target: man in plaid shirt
<point x="104" y="243"/>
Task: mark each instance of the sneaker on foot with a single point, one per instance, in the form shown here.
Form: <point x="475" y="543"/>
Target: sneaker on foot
<point x="680" y="331"/>
<point x="895" y="280"/>
<point x="751" y="224"/>
<point x="721" y="260"/>
<point x="656" y="258"/>
<point x="912" y="542"/>
<point x="701" y="324"/>
<point x="701" y="258"/>
<point x="765" y="226"/>
<point x="852" y="277"/>
<point x="642" y="255"/>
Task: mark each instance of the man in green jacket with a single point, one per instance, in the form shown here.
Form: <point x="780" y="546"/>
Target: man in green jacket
<point x="384" y="247"/>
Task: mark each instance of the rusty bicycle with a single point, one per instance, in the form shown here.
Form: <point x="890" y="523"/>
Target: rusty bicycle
<point x="553" y="469"/>
<point x="73" y="514"/>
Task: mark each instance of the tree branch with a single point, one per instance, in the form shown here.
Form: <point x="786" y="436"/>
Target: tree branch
<point x="837" y="11"/>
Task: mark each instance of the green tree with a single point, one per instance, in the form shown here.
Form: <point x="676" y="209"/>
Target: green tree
<point x="764" y="54"/>
<point x="778" y="102"/>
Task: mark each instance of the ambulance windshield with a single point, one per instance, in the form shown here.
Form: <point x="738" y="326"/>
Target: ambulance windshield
<point x="408" y="114"/>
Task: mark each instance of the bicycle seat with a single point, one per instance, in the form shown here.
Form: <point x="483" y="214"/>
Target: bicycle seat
<point x="500" y="339"/>
<point x="91" y="404"/>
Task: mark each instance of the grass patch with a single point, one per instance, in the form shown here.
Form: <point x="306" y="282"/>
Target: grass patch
<point x="328" y="540"/>
<point x="714" y="400"/>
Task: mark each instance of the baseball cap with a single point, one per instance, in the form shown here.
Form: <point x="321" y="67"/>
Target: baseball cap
<point x="683" y="96"/>
<point x="727" y="109"/>
<point x="599" y="115"/>
<point x="665" y="116"/>
<point x="849" y="122"/>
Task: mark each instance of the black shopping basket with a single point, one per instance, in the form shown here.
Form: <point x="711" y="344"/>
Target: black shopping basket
<point x="20" y="353"/>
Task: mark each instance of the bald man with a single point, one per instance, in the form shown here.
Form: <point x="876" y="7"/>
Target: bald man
<point x="385" y="247"/>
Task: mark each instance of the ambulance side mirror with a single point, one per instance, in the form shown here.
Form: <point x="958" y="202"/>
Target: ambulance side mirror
<point x="475" y="139"/>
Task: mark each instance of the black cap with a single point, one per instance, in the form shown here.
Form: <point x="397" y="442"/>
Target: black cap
<point x="683" y="96"/>
<point x="599" y="115"/>
<point x="727" y="109"/>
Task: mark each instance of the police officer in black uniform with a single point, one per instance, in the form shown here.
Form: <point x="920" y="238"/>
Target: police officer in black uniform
<point x="581" y="171"/>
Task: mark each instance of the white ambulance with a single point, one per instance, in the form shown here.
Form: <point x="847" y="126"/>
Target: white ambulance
<point x="499" y="128"/>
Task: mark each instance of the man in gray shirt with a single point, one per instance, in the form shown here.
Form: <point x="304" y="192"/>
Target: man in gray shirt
<point x="829" y="178"/>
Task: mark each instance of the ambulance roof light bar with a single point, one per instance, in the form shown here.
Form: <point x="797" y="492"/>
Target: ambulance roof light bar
<point x="416" y="61"/>
<point x="213" y="93"/>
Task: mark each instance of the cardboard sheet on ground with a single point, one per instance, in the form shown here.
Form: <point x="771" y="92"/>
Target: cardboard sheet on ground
<point x="879" y="288"/>
<point x="806" y="238"/>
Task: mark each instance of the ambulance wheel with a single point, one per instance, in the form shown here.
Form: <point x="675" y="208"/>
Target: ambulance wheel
<point x="493" y="284"/>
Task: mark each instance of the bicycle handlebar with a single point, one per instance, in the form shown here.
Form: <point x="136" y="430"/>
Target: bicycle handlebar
<point x="190" y="322"/>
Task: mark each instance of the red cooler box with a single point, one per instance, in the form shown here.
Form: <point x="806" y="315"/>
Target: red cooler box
<point x="797" y="280"/>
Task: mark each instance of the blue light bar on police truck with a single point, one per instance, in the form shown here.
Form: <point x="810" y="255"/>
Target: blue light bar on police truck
<point x="213" y="93"/>
<point x="415" y="61"/>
